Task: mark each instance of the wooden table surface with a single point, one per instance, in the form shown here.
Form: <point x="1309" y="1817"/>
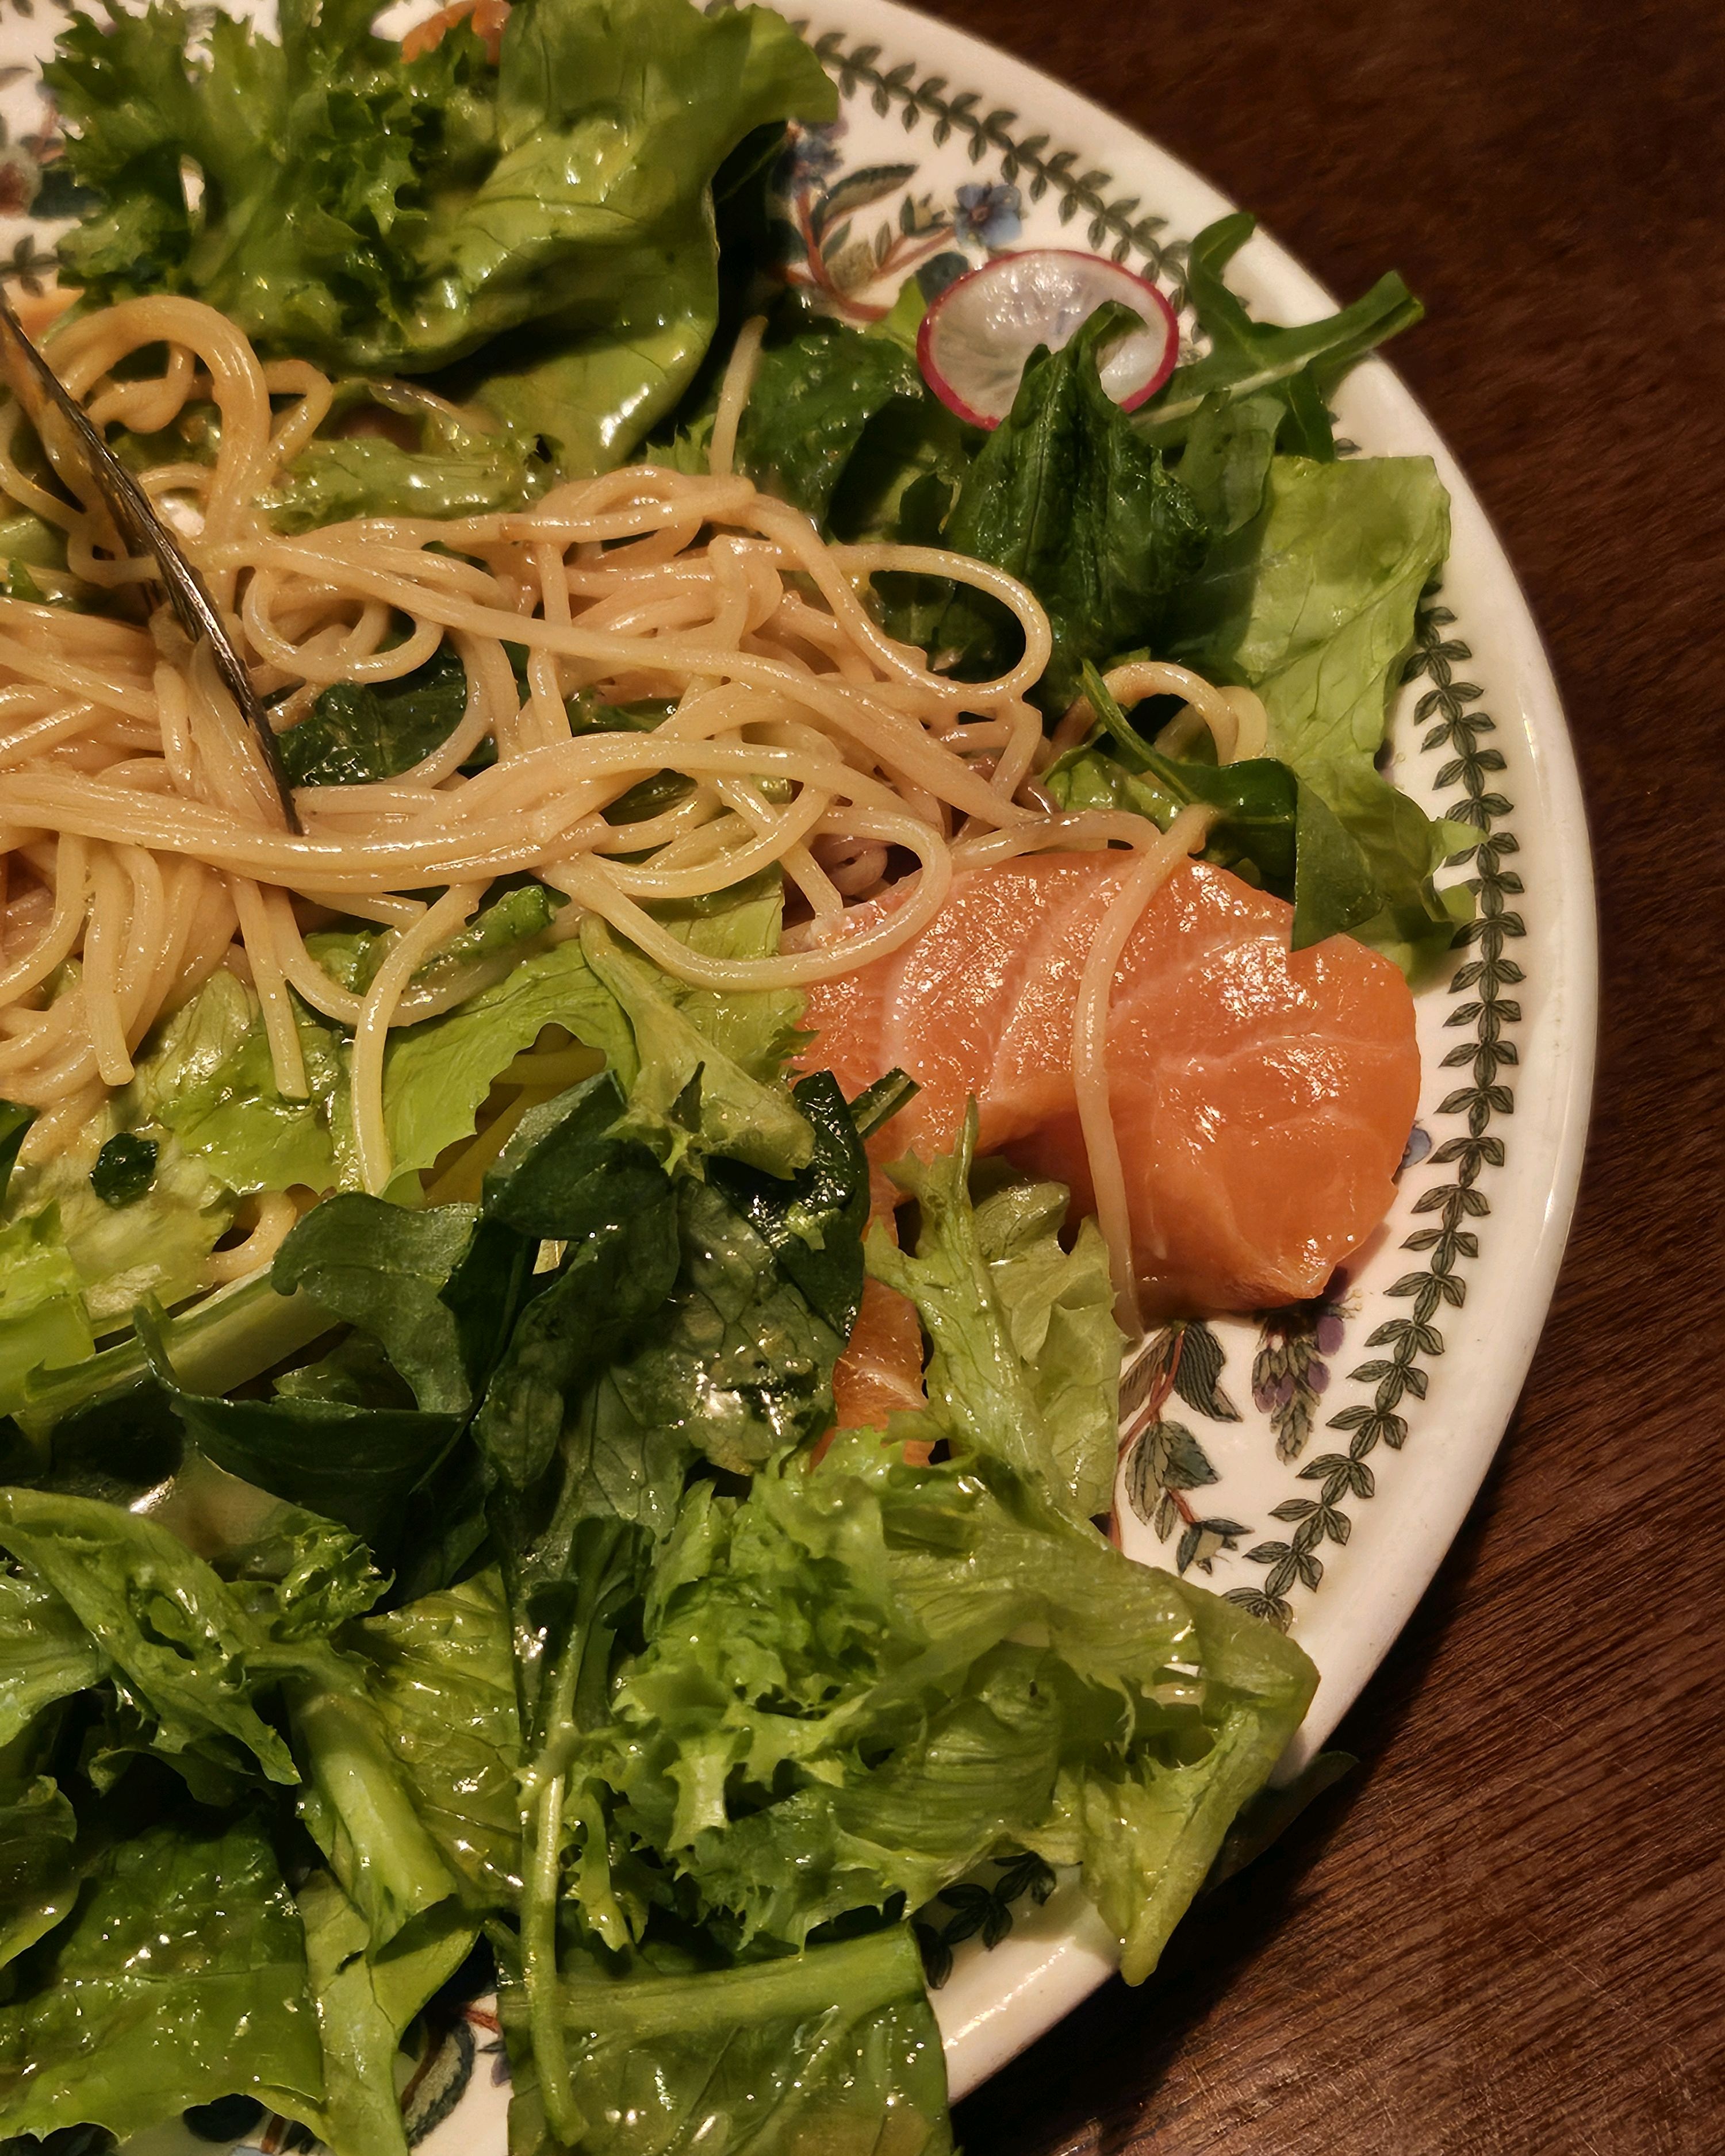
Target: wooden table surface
<point x="1505" y="1935"/>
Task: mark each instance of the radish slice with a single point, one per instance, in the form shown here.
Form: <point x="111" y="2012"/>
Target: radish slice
<point x="977" y="337"/>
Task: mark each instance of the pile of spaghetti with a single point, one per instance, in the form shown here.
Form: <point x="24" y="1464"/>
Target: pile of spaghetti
<point x="142" y="838"/>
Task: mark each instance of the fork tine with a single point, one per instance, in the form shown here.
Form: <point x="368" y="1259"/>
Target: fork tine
<point x="37" y="386"/>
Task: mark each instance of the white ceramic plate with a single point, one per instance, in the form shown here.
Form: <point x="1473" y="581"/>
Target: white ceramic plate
<point x="1320" y="1472"/>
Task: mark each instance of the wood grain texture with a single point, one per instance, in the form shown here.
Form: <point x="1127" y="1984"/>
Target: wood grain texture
<point x="1503" y="1936"/>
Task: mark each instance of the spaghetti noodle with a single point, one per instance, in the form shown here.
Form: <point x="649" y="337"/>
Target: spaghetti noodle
<point x="138" y="831"/>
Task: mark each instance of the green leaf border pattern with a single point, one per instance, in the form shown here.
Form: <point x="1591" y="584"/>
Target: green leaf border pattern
<point x="1482" y="980"/>
<point x="1113" y="223"/>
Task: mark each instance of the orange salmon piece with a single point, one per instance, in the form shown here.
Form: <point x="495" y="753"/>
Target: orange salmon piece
<point x="1262" y="1097"/>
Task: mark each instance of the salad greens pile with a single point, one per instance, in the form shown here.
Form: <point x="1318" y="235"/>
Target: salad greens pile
<point x="481" y="1591"/>
<point x="524" y="1612"/>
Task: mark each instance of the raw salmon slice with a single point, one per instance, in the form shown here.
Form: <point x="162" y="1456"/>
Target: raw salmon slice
<point x="1262" y="1097"/>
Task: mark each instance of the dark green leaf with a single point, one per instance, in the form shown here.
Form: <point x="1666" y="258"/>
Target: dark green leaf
<point x="1250" y="361"/>
<point x="355" y="734"/>
<point x="383" y="1268"/>
<point x="125" y="1169"/>
<point x="815" y="395"/>
<point x="814" y="1225"/>
<point x="1269" y="1816"/>
<point x="1068" y="495"/>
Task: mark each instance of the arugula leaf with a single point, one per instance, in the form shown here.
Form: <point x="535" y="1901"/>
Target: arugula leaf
<point x="1068" y="495"/>
<point x="1298" y="369"/>
<point x="815" y="2052"/>
<point x="185" y="1927"/>
<point x="391" y="217"/>
<point x="357" y="733"/>
<point x="160" y="1616"/>
<point x="1274" y="827"/>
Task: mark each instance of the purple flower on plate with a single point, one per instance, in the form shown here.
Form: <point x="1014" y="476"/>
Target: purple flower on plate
<point x="811" y="156"/>
<point x="988" y="214"/>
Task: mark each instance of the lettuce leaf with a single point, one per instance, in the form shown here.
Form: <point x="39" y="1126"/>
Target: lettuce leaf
<point x="442" y="1680"/>
<point x="364" y="2002"/>
<point x="859" y="1682"/>
<point x="553" y="216"/>
<point x="39" y="1880"/>
<point x="1311" y="605"/>
<point x="187" y="1927"/>
<point x="835" y="2049"/>
<point x="46" y="1654"/>
<point x="44" y="1324"/>
<point x="161" y="1617"/>
<point x="1023" y="1352"/>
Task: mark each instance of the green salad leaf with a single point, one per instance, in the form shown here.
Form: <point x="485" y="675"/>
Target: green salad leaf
<point x="1024" y="1354"/>
<point x="834" y="2049"/>
<point x="188" y="1926"/>
<point x="552" y="216"/>
<point x="48" y="1653"/>
<point x="39" y="1879"/>
<point x="464" y="471"/>
<point x="161" y="1618"/>
<point x="1311" y="605"/>
<point x="1273" y="826"/>
<point x="817" y="393"/>
<point x="441" y="1678"/>
<point x="1068" y="495"/>
<point x="363" y="2004"/>
<point x="1249" y="363"/>
<point x="355" y="733"/>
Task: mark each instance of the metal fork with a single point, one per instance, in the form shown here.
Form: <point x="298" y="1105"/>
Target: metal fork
<point x="36" y="387"/>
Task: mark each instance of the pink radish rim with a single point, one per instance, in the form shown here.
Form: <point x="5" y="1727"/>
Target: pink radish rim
<point x="954" y="403"/>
